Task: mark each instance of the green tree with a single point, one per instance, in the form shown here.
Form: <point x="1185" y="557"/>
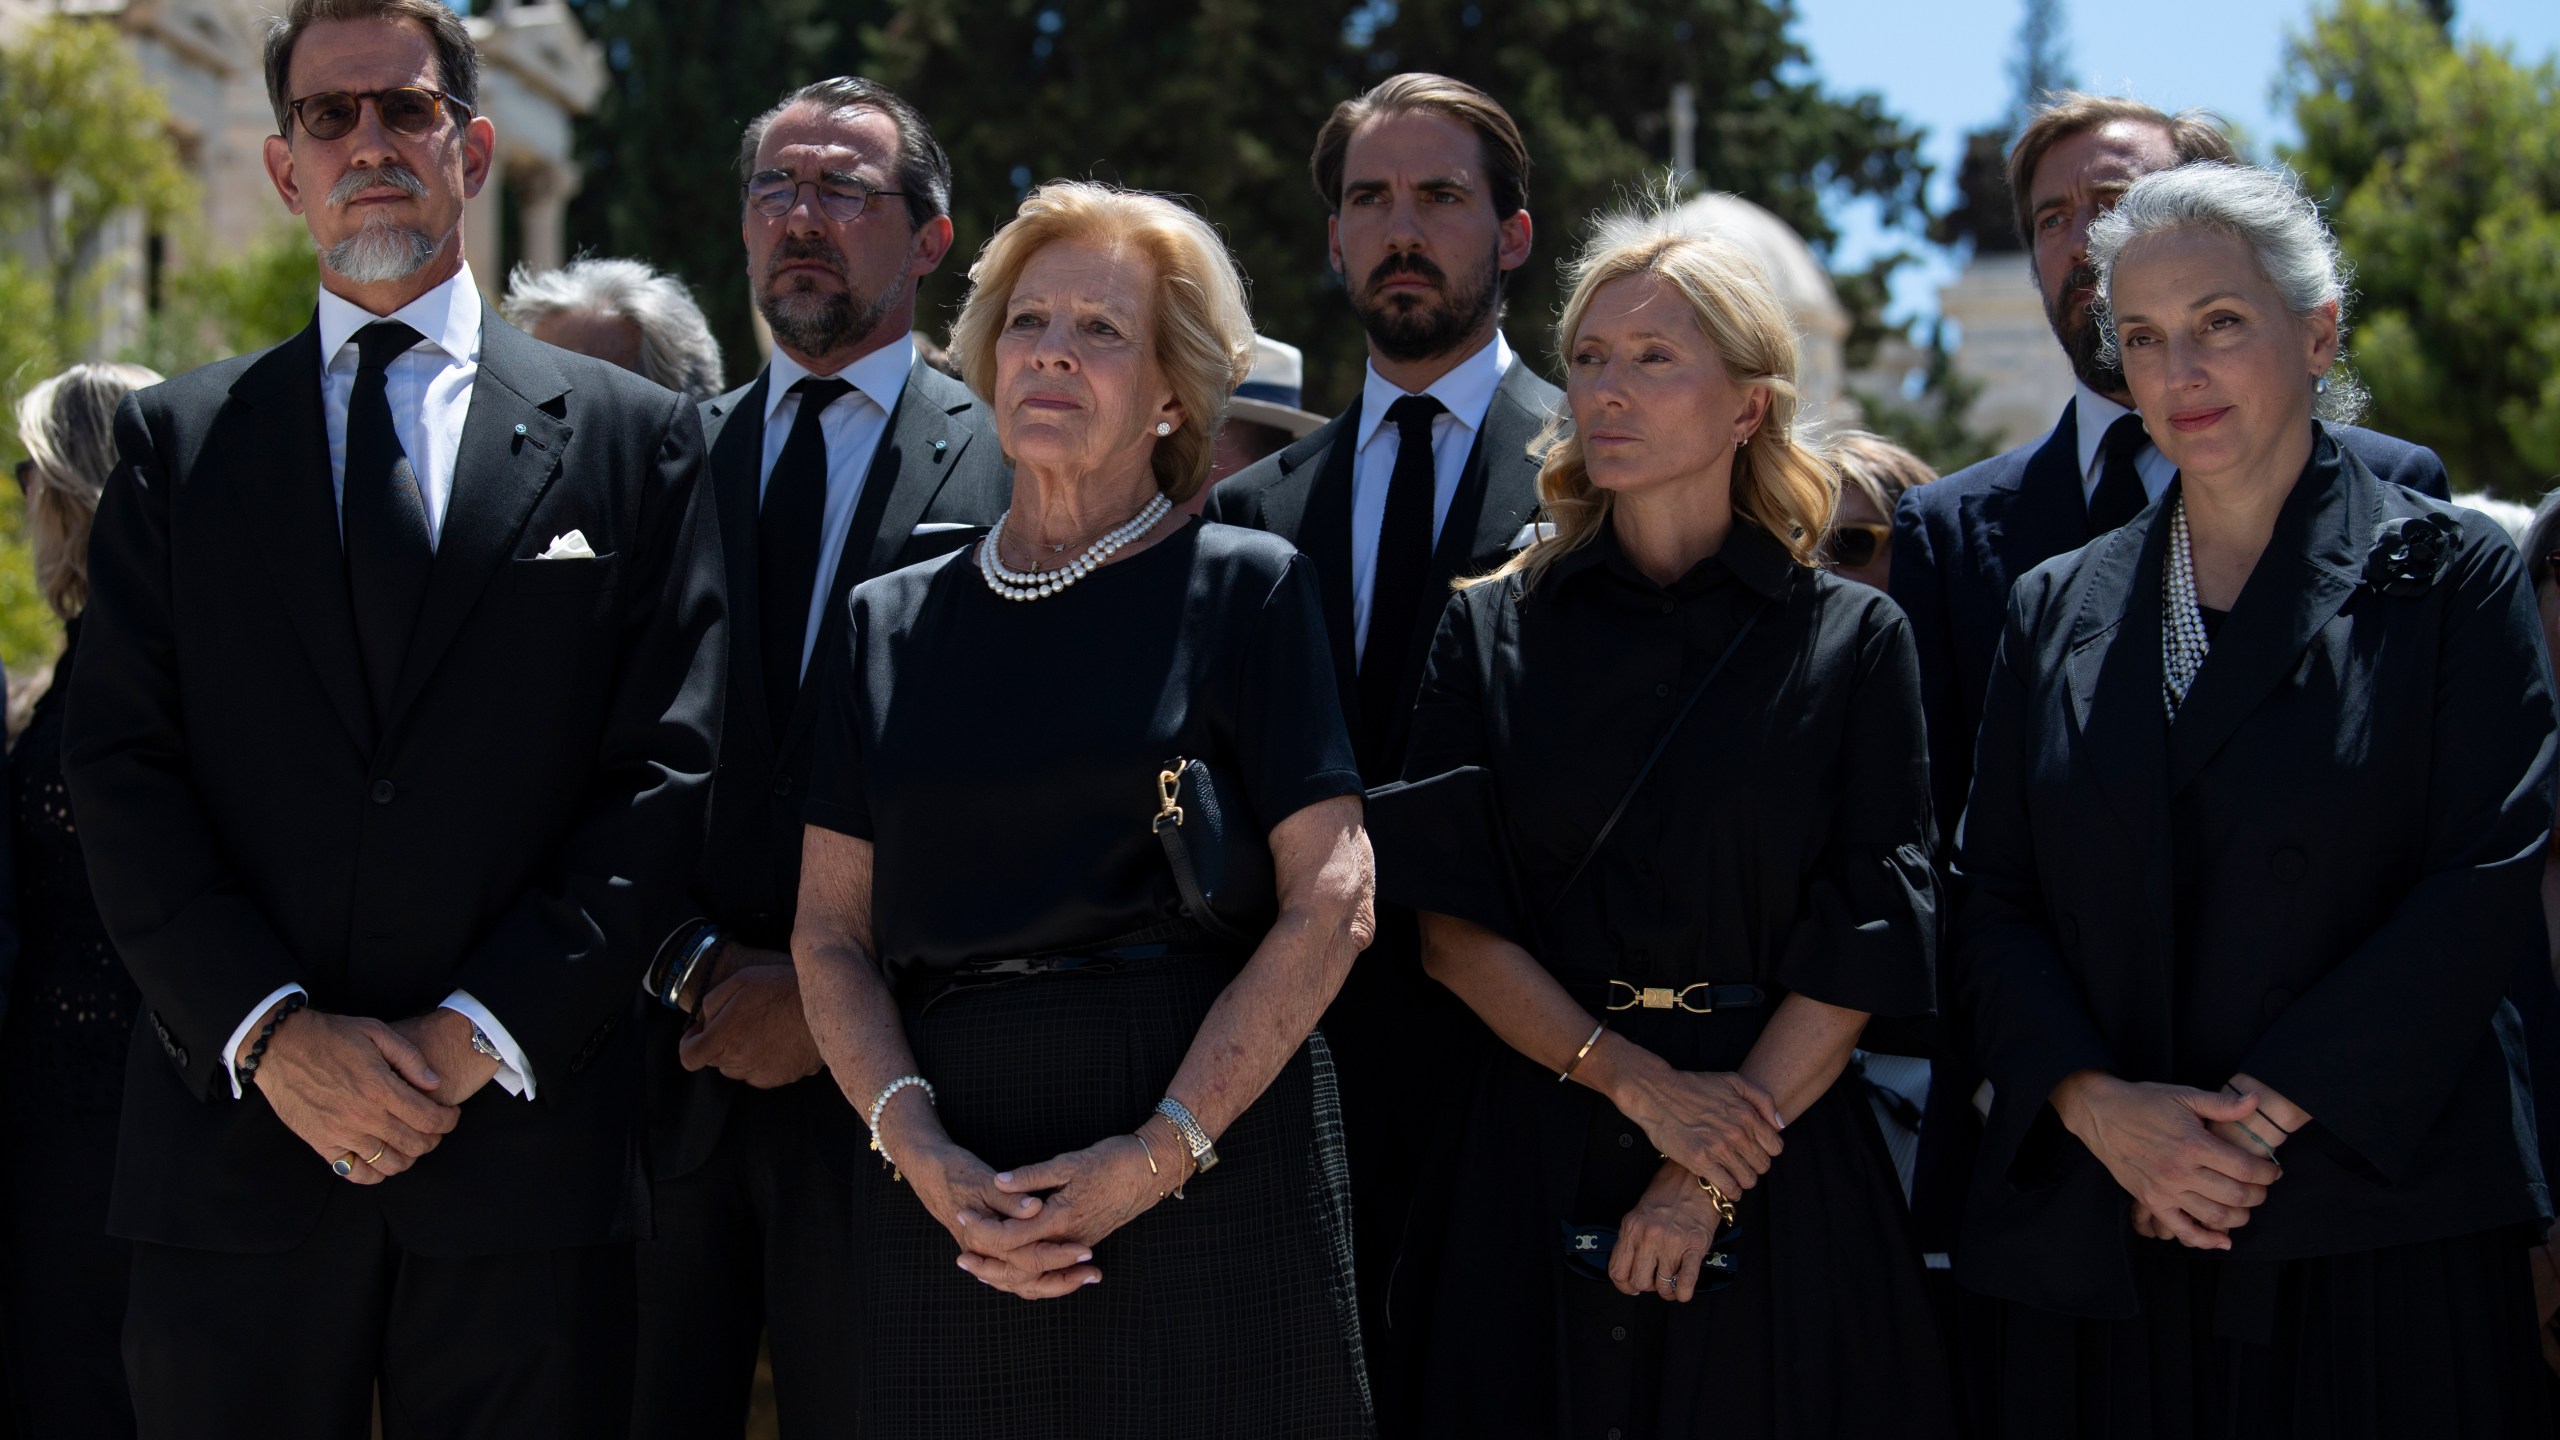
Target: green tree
<point x="84" y="143"/>
<point x="2440" y="167"/>
<point x="246" y="302"/>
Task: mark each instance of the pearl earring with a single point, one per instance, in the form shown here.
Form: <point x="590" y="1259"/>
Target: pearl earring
<point x="2320" y="386"/>
<point x="1164" y="427"/>
<point x="1742" y="444"/>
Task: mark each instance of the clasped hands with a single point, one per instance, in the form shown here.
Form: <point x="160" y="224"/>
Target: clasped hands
<point x="2196" y="1162"/>
<point x="1030" y="1231"/>
<point x="378" y="1095"/>
<point x="1715" y="1127"/>
<point x="749" y="1025"/>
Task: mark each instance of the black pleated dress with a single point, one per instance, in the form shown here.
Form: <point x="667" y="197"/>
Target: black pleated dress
<point x="1782" y="841"/>
<point x="1002" y="756"/>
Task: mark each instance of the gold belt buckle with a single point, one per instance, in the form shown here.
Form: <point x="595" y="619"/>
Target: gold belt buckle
<point x="1662" y="997"/>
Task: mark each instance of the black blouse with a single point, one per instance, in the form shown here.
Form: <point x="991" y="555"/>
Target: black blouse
<point x="1782" y="840"/>
<point x="1002" y="755"/>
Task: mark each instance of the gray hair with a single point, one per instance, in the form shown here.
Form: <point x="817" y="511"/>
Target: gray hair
<point x="676" y="345"/>
<point x="2264" y="210"/>
<point x="67" y="425"/>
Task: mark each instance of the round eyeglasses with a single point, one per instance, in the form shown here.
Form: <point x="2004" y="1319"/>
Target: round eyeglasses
<point x="405" y="110"/>
<point x="841" y="198"/>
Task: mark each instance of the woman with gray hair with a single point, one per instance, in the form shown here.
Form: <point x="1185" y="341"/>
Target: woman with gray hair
<point x="2254" y="848"/>
<point x="71" y="1005"/>
<point x="623" y="312"/>
<point x="1084" y="865"/>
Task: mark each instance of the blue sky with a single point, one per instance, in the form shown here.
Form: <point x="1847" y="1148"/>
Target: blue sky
<point x="1943" y="65"/>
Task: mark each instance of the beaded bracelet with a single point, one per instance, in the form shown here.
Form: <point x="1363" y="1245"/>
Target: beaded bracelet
<point x="880" y="1102"/>
<point x="247" y="1069"/>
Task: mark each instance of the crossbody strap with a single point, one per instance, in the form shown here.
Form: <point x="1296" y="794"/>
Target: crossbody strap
<point x="1646" y="769"/>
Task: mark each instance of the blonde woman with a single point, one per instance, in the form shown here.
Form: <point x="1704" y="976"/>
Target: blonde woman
<point x="71" y="1005"/>
<point x="1667" y="817"/>
<point x="1053" y="1043"/>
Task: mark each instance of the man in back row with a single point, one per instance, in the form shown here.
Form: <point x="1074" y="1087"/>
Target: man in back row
<point x="1427" y="477"/>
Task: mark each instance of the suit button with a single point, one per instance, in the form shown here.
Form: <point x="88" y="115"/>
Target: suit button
<point x="2276" y="1001"/>
<point x="782" y="784"/>
<point x="383" y="791"/>
<point x="1617" y="1332"/>
<point x="1660" y="691"/>
<point x="2289" y="865"/>
<point x="1668" y="607"/>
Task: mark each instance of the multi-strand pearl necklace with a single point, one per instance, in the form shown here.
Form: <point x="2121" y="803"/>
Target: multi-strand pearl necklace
<point x="2183" y="642"/>
<point x="1015" y="584"/>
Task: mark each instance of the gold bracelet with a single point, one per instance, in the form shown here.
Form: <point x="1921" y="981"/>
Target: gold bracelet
<point x="1576" y="1062"/>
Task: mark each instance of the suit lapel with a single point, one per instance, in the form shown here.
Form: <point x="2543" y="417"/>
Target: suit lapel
<point x="1499" y="490"/>
<point x="292" y="503"/>
<point x="2113" y="676"/>
<point x="919" y="448"/>
<point x="734" y="436"/>
<point x="1323" y="535"/>
<point x="2311" y="568"/>
<point x="2046" y="515"/>
<point x="511" y="447"/>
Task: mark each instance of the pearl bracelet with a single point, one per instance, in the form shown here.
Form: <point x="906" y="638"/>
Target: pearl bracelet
<point x="880" y="1102"/>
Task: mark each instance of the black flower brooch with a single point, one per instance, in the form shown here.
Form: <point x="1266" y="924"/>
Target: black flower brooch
<point x="2409" y="554"/>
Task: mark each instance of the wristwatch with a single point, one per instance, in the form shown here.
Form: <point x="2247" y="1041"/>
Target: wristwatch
<point x="1204" y="1156"/>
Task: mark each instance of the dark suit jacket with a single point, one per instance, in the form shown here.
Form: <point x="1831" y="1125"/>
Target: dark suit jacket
<point x="938" y="464"/>
<point x="2323" y="874"/>
<point x="1959" y="543"/>
<point x="518" y="825"/>
<point x="1303" y="495"/>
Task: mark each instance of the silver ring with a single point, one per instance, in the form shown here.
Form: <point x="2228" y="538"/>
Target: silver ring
<point x="1670" y="1282"/>
<point x="344" y="1165"/>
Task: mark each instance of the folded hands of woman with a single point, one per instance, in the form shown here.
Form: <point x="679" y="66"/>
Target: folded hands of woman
<point x="1715" y="1124"/>
<point x="1665" y="1239"/>
<point x="1030" y="1231"/>
<point x="2180" y="1153"/>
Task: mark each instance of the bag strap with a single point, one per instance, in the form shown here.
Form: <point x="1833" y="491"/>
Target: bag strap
<point x="1177" y="855"/>
<point x="1646" y="770"/>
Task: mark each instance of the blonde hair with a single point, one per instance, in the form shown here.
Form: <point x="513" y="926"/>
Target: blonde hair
<point x="1780" y="483"/>
<point x="67" y="425"/>
<point x="1203" y="329"/>
<point x="1879" y="468"/>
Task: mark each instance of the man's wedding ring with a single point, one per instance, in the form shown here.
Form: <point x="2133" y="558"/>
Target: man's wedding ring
<point x="376" y="1155"/>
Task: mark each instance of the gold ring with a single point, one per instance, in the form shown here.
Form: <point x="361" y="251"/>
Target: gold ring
<point x="344" y="1165"/>
<point x="376" y="1155"/>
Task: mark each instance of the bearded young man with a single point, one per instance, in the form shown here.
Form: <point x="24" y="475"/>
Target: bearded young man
<point x="393" y="724"/>
<point x="1427" y="477"/>
<point x="847" y="458"/>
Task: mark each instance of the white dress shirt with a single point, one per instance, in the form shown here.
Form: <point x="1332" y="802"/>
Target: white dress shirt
<point x="852" y="425"/>
<point x="2096" y="415"/>
<point x="429" y="387"/>
<point x="1467" y="392"/>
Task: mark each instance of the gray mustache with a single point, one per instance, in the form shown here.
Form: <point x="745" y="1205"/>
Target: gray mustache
<point x="355" y="182"/>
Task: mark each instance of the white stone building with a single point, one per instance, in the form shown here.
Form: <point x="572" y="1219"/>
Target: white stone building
<point x="2005" y="342"/>
<point x="1803" y="286"/>
<point x="538" y="72"/>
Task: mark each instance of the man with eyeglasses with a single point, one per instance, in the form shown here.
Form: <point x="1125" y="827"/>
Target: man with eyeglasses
<point x="848" y="457"/>
<point x="393" y="726"/>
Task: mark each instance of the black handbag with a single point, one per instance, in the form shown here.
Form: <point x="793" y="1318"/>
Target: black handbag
<point x="1221" y="862"/>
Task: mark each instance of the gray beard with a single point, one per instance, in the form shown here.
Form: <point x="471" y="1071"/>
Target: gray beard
<point x="816" y="324"/>
<point x="380" y="251"/>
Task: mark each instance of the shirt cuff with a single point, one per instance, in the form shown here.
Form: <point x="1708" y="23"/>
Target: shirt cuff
<point x="515" y="1073"/>
<point x="257" y="1012"/>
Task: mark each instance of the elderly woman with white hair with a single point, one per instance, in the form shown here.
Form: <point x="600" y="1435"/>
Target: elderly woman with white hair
<point x="1084" y="865"/>
<point x="1666" y="818"/>
<point x="2253" y="851"/>
<point x="623" y="312"/>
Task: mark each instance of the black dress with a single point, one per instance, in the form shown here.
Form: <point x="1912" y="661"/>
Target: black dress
<point x="1002" y="757"/>
<point x="1783" y="841"/>
<point x="2323" y="873"/>
<point x="71" y="1011"/>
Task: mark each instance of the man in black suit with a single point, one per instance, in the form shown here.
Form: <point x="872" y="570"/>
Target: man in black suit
<point x="1427" y="477"/>
<point x="392" y="728"/>
<point x="847" y="458"/>
<point x="1958" y="543"/>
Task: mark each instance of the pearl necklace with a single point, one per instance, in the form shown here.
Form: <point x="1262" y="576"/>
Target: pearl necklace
<point x="2183" y="643"/>
<point x="1015" y="584"/>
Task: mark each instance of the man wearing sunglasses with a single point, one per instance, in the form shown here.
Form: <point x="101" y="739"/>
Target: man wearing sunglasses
<point x="390" y="739"/>
<point x="848" y="457"/>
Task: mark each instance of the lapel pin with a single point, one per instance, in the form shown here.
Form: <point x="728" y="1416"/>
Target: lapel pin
<point x="937" y="449"/>
<point x="520" y="430"/>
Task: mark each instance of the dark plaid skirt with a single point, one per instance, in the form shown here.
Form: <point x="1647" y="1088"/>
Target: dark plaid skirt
<point x="1228" y="1313"/>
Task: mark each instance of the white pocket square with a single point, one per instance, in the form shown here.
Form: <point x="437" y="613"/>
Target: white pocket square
<point x="1533" y="531"/>
<point x="943" y="527"/>
<point x="572" y="546"/>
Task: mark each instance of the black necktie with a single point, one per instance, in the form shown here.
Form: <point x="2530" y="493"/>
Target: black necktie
<point x="2119" y="496"/>
<point x="1401" y="585"/>
<point x="787" y="530"/>
<point x="382" y="518"/>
